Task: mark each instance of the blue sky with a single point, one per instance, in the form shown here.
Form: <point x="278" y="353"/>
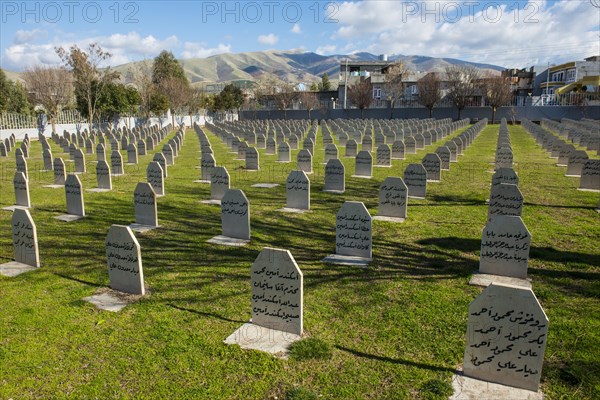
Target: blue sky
<point x="508" y="33"/>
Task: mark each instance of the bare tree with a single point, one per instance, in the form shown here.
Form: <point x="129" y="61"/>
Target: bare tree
<point x="429" y="91"/>
<point x="50" y="88"/>
<point x="140" y="75"/>
<point x="394" y="83"/>
<point x="310" y="101"/>
<point x="178" y="93"/>
<point x="285" y="98"/>
<point x="361" y="95"/>
<point x="89" y="78"/>
<point x="463" y="82"/>
<point x="498" y="92"/>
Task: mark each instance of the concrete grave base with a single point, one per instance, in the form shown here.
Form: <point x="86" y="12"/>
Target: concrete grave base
<point x="228" y="241"/>
<point x="432" y="181"/>
<point x="589" y="190"/>
<point x="215" y="202"/>
<point x="112" y="300"/>
<point x="69" y="217"/>
<point x="466" y="388"/>
<point x="13" y="208"/>
<point x="293" y="210"/>
<point x="382" y="166"/>
<point x="347" y="260"/>
<point x="561" y="165"/>
<point x="388" y="219"/>
<point x="573" y="176"/>
<point x="98" y="190"/>
<point x="334" y="191"/>
<point x="254" y="337"/>
<point x="283" y="162"/>
<point x="139" y="228"/>
<point x="416" y="198"/>
<point x="485" y="280"/>
<point x="362" y="177"/>
<point x="201" y="181"/>
<point x="117" y="174"/>
<point x="265" y="185"/>
<point x="54" y="186"/>
<point x="14" y="268"/>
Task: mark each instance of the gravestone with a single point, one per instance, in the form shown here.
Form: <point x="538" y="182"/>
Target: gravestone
<point x="235" y="219"/>
<point x="419" y="141"/>
<point x="453" y="151"/>
<point x="309" y="145"/>
<point x="132" y="154"/>
<point x="207" y="165"/>
<point x="48" y="161"/>
<point x="398" y="150"/>
<point x="334" y="176"/>
<point x="505" y="199"/>
<point x="363" y="164"/>
<point x="124" y="260"/>
<point x="415" y="178"/>
<point x="277" y="291"/>
<point x="74" y="196"/>
<point x="590" y="176"/>
<point x="100" y="154"/>
<point x="393" y="199"/>
<point x="433" y="165"/>
<point x="443" y="153"/>
<point x="167" y="151"/>
<point x="60" y="174"/>
<point x="252" y="160"/>
<point x="154" y="176"/>
<point x="3" y="151"/>
<point x="283" y="152"/>
<point x="21" y="184"/>
<point x="141" y="147"/>
<point x="505" y="247"/>
<point x="103" y="176"/>
<point x="79" y="162"/>
<point x="144" y="200"/>
<point x="367" y="143"/>
<point x="351" y="148"/>
<point x="305" y="161"/>
<point x="331" y="152"/>
<point x="260" y="141"/>
<point x="504" y="158"/>
<point x="21" y="164"/>
<point x="353" y="235"/>
<point x="293" y="141"/>
<point x="575" y="163"/>
<point x="160" y="158"/>
<point x="384" y="156"/>
<point x="410" y="145"/>
<point x="504" y="175"/>
<point x="25" y="245"/>
<point x="219" y="183"/>
<point x="507" y="331"/>
<point x="271" y="146"/>
<point x="297" y="191"/>
<point x="116" y="162"/>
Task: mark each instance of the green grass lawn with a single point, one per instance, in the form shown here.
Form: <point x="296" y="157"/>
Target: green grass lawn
<point x="395" y="330"/>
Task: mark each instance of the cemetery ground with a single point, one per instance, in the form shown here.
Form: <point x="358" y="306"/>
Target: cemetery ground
<point x="395" y="329"/>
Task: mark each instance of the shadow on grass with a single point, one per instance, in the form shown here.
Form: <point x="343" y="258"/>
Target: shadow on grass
<point x="396" y="361"/>
<point x="77" y="280"/>
<point x="206" y="314"/>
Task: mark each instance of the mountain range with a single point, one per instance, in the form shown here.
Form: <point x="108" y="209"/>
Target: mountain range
<point x="289" y="66"/>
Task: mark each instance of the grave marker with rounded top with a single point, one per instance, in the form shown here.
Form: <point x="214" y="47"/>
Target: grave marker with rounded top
<point x="141" y="147"/>
<point x="21" y="164"/>
<point x="25" y="245"/>
<point x="48" y="160"/>
<point x="334" y="176"/>
<point x="21" y="185"/>
<point x="252" y="159"/>
<point x="132" y="154"/>
<point x="410" y="145"/>
<point x="271" y="146"/>
<point x="219" y="183"/>
<point x="305" y="161"/>
<point x="103" y="176"/>
<point x="144" y="200"/>
<point x="207" y="165"/>
<point x="154" y="176"/>
<point x="79" y="162"/>
<point x="443" y="153"/>
<point x="507" y="331"/>
<point x="504" y="158"/>
<point x="353" y="234"/>
<point x="60" y="175"/>
<point x="100" y="154"/>
<point x="590" y="176"/>
<point x="415" y="178"/>
<point x="505" y="199"/>
<point x="367" y="143"/>
<point x="167" y="152"/>
<point x="398" y="150"/>
<point x="160" y="158"/>
<point x="351" y="148"/>
<point x="393" y="199"/>
<point x="331" y="152"/>
<point x="505" y="247"/>
<point x="433" y="165"/>
<point x="384" y="156"/>
<point x="277" y="291"/>
<point x="363" y="165"/>
<point x="124" y="259"/>
<point x="297" y="190"/>
<point x="235" y="219"/>
<point x="116" y="163"/>
<point x="74" y="196"/>
<point x="309" y="145"/>
<point x="575" y="163"/>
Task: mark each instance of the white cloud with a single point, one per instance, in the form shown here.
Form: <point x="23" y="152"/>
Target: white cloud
<point x="537" y="31"/>
<point x="269" y="39"/>
<point x="296" y="28"/>
<point x="325" y="50"/>
<point x="22" y="36"/>
<point x="199" y="50"/>
<point x="123" y="47"/>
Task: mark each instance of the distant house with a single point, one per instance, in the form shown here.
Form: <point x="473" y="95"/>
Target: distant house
<point x="574" y="75"/>
<point x="521" y="80"/>
<point x="374" y="72"/>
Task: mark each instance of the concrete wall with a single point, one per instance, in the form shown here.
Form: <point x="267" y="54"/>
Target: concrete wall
<point x="529" y="112"/>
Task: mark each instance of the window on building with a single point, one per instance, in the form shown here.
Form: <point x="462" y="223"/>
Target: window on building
<point x="377" y="93"/>
<point x="571" y="75"/>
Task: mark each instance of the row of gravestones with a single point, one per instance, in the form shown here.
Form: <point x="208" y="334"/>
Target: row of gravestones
<point x="584" y="133"/>
<point x="577" y="162"/>
<point x="7" y="145"/>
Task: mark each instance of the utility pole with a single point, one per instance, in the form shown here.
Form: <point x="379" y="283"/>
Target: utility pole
<point x="346" y="84"/>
